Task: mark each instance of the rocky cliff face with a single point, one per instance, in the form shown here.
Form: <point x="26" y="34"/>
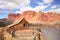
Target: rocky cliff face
<point x="36" y="17"/>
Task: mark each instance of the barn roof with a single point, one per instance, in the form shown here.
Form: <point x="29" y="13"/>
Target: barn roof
<point x="16" y="22"/>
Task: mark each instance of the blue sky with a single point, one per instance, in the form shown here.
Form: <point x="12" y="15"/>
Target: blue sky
<point x="18" y="6"/>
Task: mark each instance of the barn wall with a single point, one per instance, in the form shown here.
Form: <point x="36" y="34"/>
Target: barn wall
<point x="19" y="26"/>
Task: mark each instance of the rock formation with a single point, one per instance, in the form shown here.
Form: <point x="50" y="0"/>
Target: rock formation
<point x="36" y="17"/>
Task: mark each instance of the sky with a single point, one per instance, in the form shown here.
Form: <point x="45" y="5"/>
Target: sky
<point x="18" y="6"/>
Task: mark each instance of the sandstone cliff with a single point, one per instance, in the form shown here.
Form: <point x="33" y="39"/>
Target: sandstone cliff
<point x="36" y="17"/>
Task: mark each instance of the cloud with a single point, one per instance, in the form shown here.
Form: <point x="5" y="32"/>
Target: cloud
<point x="48" y="1"/>
<point x="37" y="8"/>
<point x="13" y="4"/>
<point x="23" y="5"/>
<point x="40" y="8"/>
<point x="54" y="6"/>
<point x="54" y="10"/>
<point x="7" y="5"/>
<point x="30" y="8"/>
<point x="41" y="3"/>
<point x="58" y="10"/>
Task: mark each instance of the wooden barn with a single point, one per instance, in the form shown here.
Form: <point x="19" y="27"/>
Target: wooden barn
<point x="19" y="24"/>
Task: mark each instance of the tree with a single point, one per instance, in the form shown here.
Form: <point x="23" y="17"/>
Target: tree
<point x="2" y="24"/>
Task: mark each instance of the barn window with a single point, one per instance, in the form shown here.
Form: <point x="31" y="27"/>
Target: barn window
<point x="24" y="25"/>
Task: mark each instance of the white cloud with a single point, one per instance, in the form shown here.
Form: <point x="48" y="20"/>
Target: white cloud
<point x="37" y="8"/>
<point x="40" y="8"/>
<point x="48" y="1"/>
<point x="54" y="6"/>
<point x="22" y="5"/>
<point x="7" y="5"/>
<point x="54" y="10"/>
<point x="41" y="3"/>
<point x="58" y="10"/>
<point x="13" y="4"/>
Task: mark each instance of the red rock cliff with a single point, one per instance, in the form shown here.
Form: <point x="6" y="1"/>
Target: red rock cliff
<point x="36" y="17"/>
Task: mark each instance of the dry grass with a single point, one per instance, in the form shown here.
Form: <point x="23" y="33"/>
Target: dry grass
<point x="24" y="35"/>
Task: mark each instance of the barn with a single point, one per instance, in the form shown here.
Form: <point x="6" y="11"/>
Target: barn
<point x="19" y="25"/>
